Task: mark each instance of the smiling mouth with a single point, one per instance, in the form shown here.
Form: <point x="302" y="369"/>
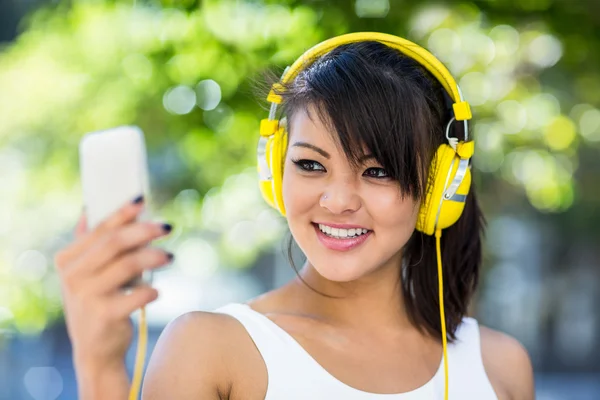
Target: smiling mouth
<point x="340" y="233"/>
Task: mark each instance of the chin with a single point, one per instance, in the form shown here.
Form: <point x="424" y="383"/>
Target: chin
<point x="338" y="271"/>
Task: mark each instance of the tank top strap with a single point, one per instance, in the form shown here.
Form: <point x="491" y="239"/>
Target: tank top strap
<point x="273" y="343"/>
<point x="466" y="361"/>
<point x="467" y="348"/>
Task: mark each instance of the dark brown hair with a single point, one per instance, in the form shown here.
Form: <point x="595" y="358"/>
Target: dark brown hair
<point x="375" y="97"/>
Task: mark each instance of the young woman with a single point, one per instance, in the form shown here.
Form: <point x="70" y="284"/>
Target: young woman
<point x="361" y="321"/>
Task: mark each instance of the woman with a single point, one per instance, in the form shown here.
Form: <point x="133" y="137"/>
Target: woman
<point x="361" y="319"/>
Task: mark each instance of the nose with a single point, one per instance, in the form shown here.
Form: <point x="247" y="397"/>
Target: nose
<point x="340" y="198"/>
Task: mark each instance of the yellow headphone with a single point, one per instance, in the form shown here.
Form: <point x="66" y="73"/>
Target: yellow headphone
<point x="449" y="173"/>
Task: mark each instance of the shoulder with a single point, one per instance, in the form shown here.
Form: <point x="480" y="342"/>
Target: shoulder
<point x="507" y="365"/>
<point x="194" y="358"/>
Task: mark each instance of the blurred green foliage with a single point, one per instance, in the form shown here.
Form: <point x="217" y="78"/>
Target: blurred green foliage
<point x="529" y="68"/>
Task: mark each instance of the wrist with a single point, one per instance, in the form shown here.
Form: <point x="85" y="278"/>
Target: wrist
<point x="99" y="383"/>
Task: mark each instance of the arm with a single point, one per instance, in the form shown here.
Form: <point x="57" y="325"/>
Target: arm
<point x="190" y="360"/>
<point x="508" y="365"/>
<point x="92" y="269"/>
<point x="103" y="384"/>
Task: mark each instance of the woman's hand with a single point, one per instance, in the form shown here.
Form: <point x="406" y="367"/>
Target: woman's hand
<point x="92" y="271"/>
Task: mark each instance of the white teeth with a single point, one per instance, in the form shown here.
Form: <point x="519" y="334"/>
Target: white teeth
<point x="342" y="233"/>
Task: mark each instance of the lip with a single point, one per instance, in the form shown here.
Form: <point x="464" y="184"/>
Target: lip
<point x="341" y="244"/>
<point x="341" y="226"/>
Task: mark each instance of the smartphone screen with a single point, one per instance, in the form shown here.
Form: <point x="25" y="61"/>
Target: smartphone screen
<point x="114" y="171"/>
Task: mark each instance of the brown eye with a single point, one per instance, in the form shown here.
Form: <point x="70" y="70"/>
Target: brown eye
<point x="308" y="165"/>
<point x="376" y="173"/>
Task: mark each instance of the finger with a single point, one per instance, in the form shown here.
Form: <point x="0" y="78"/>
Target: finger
<point x="115" y="244"/>
<point x="126" y="214"/>
<point x="63" y="257"/>
<point x="123" y="304"/>
<point x="81" y="227"/>
<point x="129" y="266"/>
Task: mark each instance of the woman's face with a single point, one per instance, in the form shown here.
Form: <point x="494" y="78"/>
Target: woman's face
<point x="321" y="191"/>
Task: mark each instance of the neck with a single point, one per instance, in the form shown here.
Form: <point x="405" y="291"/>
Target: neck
<point x="375" y="300"/>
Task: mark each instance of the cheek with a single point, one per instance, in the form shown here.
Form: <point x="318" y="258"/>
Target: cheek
<point x="392" y="215"/>
<point x="298" y="194"/>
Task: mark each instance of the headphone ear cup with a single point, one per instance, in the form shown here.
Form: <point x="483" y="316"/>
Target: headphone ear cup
<point x="451" y="210"/>
<point x="433" y="208"/>
<point x="266" y="185"/>
<point x="276" y="161"/>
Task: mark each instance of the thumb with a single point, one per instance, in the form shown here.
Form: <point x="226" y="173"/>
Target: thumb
<point x="81" y="227"/>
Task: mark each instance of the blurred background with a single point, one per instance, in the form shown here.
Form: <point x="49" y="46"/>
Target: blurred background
<point x="183" y="70"/>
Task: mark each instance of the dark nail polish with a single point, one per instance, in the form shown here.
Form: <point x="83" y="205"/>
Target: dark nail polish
<point x="171" y="256"/>
<point x="138" y="199"/>
<point x="167" y="228"/>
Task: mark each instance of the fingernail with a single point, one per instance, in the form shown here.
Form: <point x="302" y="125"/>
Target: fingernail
<point x="138" y="199"/>
<point x="167" y="228"/>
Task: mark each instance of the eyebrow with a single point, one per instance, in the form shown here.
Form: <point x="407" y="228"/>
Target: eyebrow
<point x="312" y="147"/>
<point x="326" y="154"/>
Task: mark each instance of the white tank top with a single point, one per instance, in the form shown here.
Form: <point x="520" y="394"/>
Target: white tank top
<point x="294" y="375"/>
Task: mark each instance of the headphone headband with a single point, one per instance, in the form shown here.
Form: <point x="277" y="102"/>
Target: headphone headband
<point x="462" y="110"/>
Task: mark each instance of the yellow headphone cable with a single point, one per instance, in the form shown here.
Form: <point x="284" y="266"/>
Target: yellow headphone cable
<point x="140" y="356"/>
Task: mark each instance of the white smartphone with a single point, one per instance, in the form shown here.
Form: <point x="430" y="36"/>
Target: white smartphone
<point x="114" y="171"/>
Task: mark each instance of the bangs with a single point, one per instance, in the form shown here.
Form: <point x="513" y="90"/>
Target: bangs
<point x="372" y="109"/>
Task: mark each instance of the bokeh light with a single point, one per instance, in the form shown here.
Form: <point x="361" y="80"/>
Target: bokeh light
<point x="560" y="133"/>
<point x="43" y="383"/>
<point x="513" y="116"/>
<point x="589" y="125"/>
<point x="208" y="94"/>
<point x="371" y="8"/>
<point x="476" y="88"/>
<point x="506" y="40"/>
<point x="179" y="100"/>
<point x="31" y="265"/>
<point x="545" y="51"/>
